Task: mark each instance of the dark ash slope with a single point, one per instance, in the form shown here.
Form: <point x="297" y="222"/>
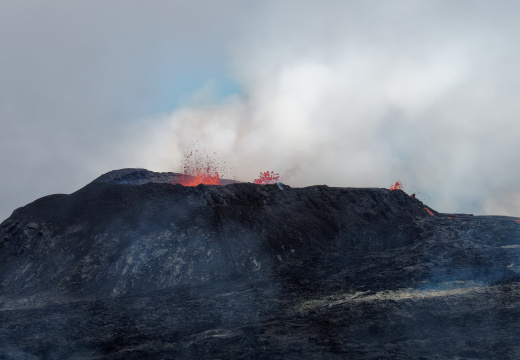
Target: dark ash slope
<point x="130" y="268"/>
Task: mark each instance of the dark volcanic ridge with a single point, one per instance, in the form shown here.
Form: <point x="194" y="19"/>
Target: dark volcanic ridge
<point x="143" y="176"/>
<point x="132" y="267"/>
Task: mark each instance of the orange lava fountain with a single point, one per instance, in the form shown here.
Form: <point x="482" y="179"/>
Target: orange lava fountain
<point x="397" y="186"/>
<point x="199" y="176"/>
<point x="200" y="168"/>
<point x="267" y="178"/>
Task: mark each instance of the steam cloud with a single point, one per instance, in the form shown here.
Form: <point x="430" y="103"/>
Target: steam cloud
<point x="366" y="94"/>
<point x="345" y="94"/>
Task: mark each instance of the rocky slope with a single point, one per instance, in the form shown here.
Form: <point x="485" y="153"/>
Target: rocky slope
<point x="132" y="267"/>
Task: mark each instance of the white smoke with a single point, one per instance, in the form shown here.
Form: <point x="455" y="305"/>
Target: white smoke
<point x="344" y="93"/>
<point x="363" y="95"/>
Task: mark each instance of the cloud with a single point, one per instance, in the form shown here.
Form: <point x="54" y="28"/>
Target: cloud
<point x="366" y="94"/>
<point x="76" y="75"/>
<point x="348" y="94"/>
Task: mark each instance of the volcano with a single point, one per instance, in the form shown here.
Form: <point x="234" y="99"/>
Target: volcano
<point x="133" y="267"/>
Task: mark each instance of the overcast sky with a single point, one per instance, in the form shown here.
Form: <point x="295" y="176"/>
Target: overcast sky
<point x="343" y="93"/>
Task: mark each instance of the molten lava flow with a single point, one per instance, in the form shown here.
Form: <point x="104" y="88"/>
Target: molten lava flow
<point x="397" y="186"/>
<point x="429" y="211"/>
<point x="267" y="178"/>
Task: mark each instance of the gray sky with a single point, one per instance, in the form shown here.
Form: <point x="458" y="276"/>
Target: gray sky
<point x="344" y="93"/>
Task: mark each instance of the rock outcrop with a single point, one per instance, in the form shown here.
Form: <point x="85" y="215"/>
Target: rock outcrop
<point x="132" y="267"/>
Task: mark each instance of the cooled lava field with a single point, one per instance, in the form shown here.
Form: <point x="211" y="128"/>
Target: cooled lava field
<point x="133" y="267"/>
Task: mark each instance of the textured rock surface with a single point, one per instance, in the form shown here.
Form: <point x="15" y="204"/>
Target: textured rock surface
<point x="131" y="267"/>
<point x="143" y="176"/>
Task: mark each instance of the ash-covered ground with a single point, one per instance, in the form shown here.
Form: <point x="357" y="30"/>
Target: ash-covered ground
<point x="132" y="267"/>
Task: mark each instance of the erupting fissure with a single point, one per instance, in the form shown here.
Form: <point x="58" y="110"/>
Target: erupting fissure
<point x="194" y="177"/>
<point x="200" y="168"/>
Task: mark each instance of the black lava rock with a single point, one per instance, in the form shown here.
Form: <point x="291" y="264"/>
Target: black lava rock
<point x="132" y="267"/>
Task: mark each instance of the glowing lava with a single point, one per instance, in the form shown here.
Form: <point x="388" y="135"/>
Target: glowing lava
<point x="397" y="186"/>
<point x="429" y="211"/>
<point x="199" y="176"/>
<point x="267" y="178"/>
<point x="200" y="168"/>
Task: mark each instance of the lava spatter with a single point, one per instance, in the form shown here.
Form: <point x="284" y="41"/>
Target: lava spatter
<point x="200" y="168"/>
<point x="267" y="177"/>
